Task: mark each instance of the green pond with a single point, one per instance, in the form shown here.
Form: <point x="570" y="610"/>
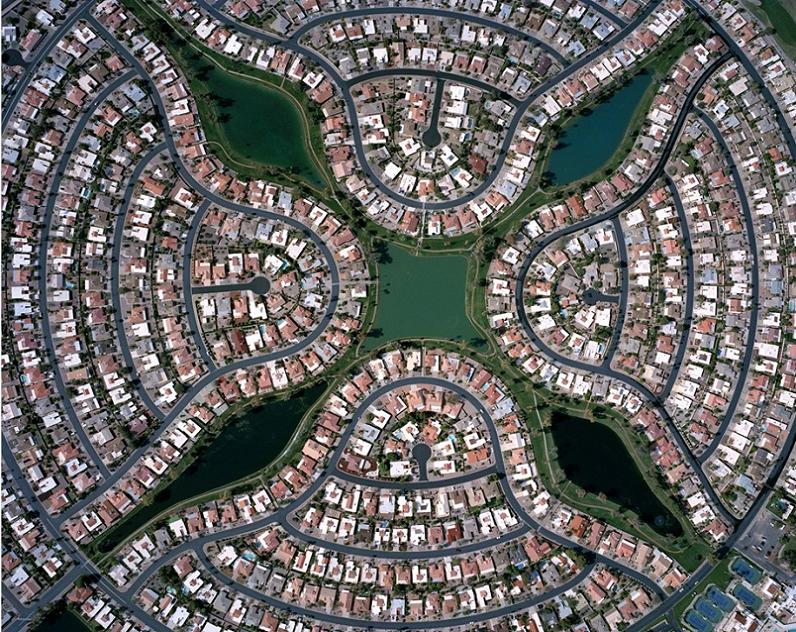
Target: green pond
<point x="588" y="141"/>
<point x="781" y="21"/>
<point x="60" y="619"/>
<point x="421" y="297"/>
<point x="260" y="124"/>
<point x="244" y="446"/>
<point x="594" y="458"/>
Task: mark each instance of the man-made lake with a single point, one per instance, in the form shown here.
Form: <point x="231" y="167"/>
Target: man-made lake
<point x="594" y="458"/>
<point x="244" y="446"/>
<point x="61" y="620"/>
<point x="260" y="124"/>
<point x="589" y="140"/>
<point x="421" y="297"/>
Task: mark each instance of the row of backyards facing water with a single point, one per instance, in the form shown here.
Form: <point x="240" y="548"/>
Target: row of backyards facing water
<point x="419" y="297"/>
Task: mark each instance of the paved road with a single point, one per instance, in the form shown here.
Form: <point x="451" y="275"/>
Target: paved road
<point x="82" y="566"/>
<point x="690" y="284"/>
<point x="616" y="19"/>
<point x="478" y="616"/>
<point x="751" y="69"/>
<point x="453" y="481"/>
<point x="746" y="362"/>
<point x="592" y="296"/>
<point x="51" y="526"/>
<point x="44" y="242"/>
<point x="459" y="16"/>
<point x="208" y="378"/>
<point x="10" y="6"/>
<point x="116" y="293"/>
<point x="187" y="290"/>
<point x="10" y="101"/>
<point x="293" y="44"/>
<point x="187" y="176"/>
<point x="790" y="441"/>
<point x="255" y="285"/>
<point x="439" y="75"/>
<point x="666" y="605"/>
<point x="624" y="289"/>
<point x="431" y="137"/>
<point x="282" y="517"/>
<point x="611" y="214"/>
<point x="406" y="555"/>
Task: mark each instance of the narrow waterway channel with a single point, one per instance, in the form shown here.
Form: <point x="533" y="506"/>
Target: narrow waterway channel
<point x="244" y="446"/>
<point x="588" y="141"/>
<point x="594" y="458"/>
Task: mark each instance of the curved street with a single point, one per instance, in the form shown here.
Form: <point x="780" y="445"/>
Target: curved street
<point x="605" y="368"/>
<point x="44" y="244"/>
<point x="216" y="372"/>
<point x="293" y="44"/>
<point x="283" y="516"/>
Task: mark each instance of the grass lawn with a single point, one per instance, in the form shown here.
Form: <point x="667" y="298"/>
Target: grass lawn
<point x="720" y="576"/>
<point x="780" y="16"/>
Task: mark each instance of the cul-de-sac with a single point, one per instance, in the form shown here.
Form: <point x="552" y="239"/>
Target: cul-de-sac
<point x="359" y="315"/>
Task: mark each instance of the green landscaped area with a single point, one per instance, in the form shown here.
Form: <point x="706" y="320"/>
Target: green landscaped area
<point x="264" y="127"/>
<point x="421" y="297"/>
<point x="780" y="15"/>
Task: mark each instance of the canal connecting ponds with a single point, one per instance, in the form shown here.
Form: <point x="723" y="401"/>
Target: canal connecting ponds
<point x="261" y="126"/>
<point x="589" y="141"/>
<point x="593" y="457"/>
